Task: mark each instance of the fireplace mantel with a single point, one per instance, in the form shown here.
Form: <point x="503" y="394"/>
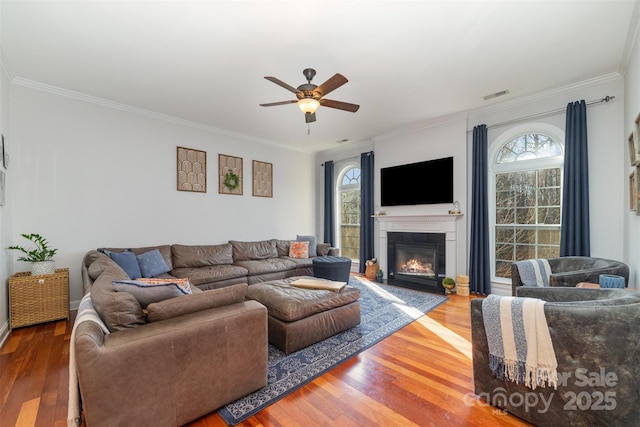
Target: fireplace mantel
<point x="444" y="223"/>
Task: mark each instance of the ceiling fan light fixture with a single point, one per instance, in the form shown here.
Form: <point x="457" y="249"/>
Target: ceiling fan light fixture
<point x="308" y="105"/>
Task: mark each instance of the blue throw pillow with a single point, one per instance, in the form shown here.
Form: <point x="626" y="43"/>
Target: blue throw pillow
<point x="152" y="264"/>
<point x="313" y="243"/>
<point x="127" y="261"/>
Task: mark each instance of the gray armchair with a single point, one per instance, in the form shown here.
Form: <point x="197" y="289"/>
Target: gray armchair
<point x="571" y="270"/>
<point x="596" y="339"/>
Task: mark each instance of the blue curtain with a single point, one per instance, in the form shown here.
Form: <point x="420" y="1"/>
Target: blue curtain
<point x="329" y="204"/>
<point x="479" y="257"/>
<point x="366" y="208"/>
<point x="574" y="234"/>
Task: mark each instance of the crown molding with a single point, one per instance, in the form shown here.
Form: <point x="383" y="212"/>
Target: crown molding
<point x="143" y="112"/>
<point x="539" y="96"/>
<point x="410" y="128"/>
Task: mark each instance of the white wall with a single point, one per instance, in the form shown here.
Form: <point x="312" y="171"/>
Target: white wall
<point x="418" y="143"/>
<point x="607" y="174"/>
<point x="86" y="175"/>
<point x="5" y="211"/>
<point x="632" y="110"/>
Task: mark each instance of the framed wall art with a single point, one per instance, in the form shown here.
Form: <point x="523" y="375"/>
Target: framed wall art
<point x="633" y="201"/>
<point x="262" y="179"/>
<point x="5" y="153"/>
<point x="192" y="170"/>
<point x="633" y="148"/>
<point x="229" y="174"/>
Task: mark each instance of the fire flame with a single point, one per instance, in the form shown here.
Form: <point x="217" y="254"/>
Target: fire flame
<point x="415" y="266"/>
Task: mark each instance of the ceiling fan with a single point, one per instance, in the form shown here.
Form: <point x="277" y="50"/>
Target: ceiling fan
<point x="310" y="96"/>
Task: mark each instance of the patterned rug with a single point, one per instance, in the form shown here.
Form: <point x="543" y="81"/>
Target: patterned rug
<point x="384" y="310"/>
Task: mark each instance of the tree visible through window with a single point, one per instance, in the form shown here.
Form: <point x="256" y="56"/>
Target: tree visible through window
<point x="349" y="191"/>
<point x="528" y="195"/>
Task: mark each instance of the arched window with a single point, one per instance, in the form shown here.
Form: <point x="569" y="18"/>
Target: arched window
<point x="349" y="214"/>
<point x="527" y="185"/>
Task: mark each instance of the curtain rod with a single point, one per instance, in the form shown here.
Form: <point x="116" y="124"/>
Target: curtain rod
<point x="345" y="159"/>
<point x="546" y="113"/>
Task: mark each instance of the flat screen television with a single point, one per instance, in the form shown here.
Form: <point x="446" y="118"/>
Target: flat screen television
<point x="423" y="183"/>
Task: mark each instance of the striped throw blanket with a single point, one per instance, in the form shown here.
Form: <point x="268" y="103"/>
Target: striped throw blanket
<point x="534" y="272"/>
<point x="86" y="312"/>
<point x="520" y="347"/>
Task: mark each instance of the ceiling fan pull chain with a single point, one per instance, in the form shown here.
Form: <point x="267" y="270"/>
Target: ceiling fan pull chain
<point x="308" y="129"/>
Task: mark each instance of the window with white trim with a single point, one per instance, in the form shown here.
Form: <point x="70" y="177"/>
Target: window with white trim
<point x="349" y="215"/>
<point x="527" y="185"/>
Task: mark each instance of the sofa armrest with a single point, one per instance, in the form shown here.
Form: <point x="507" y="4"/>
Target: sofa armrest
<point x="172" y="371"/>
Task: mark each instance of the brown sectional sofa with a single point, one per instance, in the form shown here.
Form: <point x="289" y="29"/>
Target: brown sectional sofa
<point x="184" y="357"/>
<point x="215" y="266"/>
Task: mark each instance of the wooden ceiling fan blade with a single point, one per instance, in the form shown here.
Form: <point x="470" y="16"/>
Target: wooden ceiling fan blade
<point x="271" y="104"/>
<point x="281" y="83"/>
<point x="309" y="117"/>
<point x="339" y="105"/>
<point x="332" y="84"/>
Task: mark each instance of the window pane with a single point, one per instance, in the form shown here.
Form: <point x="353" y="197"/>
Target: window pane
<point x="504" y="251"/>
<point x="526" y="216"/>
<point x="525" y="235"/>
<point x="505" y="216"/>
<point x="503" y="269"/>
<point x="527" y="147"/>
<point x="549" y="216"/>
<point x="549" y="237"/>
<point x="504" y="234"/>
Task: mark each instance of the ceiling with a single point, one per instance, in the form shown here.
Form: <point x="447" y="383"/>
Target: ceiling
<point x="407" y="62"/>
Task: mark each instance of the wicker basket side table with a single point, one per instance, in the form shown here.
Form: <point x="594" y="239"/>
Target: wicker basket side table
<point x="38" y="299"/>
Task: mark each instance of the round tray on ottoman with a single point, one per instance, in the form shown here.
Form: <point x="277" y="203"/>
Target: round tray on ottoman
<point x="332" y="268"/>
<point x="301" y="317"/>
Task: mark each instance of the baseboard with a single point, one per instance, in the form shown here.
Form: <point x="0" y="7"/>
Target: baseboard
<point x="73" y="305"/>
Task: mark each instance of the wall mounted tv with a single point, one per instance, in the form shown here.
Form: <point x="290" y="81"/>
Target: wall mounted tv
<point x="422" y="183"/>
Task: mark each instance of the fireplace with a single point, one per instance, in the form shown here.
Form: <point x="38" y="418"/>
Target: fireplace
<point x="416" y="260"/>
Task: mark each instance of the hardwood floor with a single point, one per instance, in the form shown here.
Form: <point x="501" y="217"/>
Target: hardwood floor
<point x="419" y="376"/>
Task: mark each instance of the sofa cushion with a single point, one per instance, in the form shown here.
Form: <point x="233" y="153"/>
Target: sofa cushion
<point x="299" y="250"/>
<point x="165" y="251"/>
<point x="272" y="265"/>
<point x="313" y="243"/>
<point x="127" y="261"/>
<point x="212" y="273"/>
<point x="323" y="249"/>
<point x="282" y="247"/>
<point x="118" y="310"/>
<point x="263" y="249"/>
<point x="198" y="301"/>
<point x="201" y="255"/>
<point x="300" y="262"/>
<point x="152" y="263"/>
<point x="153" y="290"/>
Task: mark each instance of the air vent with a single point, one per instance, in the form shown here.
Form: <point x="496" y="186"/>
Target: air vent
<point x="495" y="95"/>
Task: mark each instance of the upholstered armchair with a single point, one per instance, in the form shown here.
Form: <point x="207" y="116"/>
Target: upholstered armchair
<point x="596" y="340"/>
<point x="571" y="270"/>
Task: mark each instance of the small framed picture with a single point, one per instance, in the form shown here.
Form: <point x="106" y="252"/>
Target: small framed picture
<point x="4" y="153"/>
<point x="633" y="199"/>
<point x="636" y="189"/>
<point x="192" y="170"/>
<point x="633" y="150"/>
<point x="262" y="179"/>
<point x="230" y="175"/>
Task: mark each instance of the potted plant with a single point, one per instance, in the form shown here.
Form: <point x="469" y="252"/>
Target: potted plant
<point x="40" y="257"/>
<point x="448" y="283"/>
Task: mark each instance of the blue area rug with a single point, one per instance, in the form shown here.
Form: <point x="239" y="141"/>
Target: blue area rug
<point x="384" y="310"/>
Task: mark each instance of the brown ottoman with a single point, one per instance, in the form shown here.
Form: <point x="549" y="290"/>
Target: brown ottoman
<point x="301" y="317"/>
